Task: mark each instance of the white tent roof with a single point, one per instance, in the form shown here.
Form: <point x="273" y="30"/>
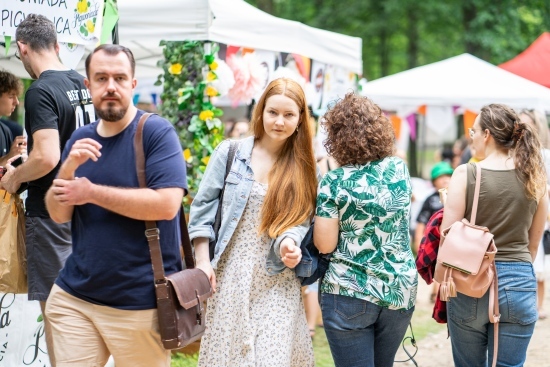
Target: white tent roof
<point x="144" y="23"/>
<point x="462" y="80"/>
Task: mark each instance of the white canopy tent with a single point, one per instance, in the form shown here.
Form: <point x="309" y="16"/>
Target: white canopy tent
<point x="144" y="23"/>
<point x="463" y="80"/>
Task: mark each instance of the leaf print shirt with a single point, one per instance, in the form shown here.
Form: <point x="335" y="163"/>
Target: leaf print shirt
<point x="373" y="259"/>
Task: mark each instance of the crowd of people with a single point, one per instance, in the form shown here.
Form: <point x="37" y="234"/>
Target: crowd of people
<point x="88" y="257"/>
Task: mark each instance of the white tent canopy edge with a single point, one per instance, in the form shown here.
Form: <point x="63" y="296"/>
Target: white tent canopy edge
<point x="144" y="23"/>
<point x="462" y="80"/>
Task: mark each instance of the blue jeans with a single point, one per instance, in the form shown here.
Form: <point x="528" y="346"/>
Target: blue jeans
<point x="360" y="333"/>
<point x="471" y="332"/>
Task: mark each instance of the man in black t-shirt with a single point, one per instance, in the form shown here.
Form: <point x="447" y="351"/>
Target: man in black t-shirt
<point x="12" y="143"/>
<point x="56" y="104"/>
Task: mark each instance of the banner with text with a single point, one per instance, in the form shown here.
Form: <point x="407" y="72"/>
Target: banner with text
<point x="76" y="21"/>
<point x="22" y="340"/>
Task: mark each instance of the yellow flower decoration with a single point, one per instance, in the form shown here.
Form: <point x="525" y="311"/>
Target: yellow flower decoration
<point x="213" y="65"/>
<point x="211" y="91"/>
<point x="175" y="69"/>
<point x="205" y="160"/>
<point x="180" y="92"/>
<point x="206" y="115"/>
<point x="211" y="76"/>
<point x="187" y="155"/>
<point x="91" y="26"/>
<point x="82" y="6"/>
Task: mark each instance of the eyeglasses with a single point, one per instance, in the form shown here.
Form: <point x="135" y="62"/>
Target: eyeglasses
<point x="17" y="54"/>
<point x="471" y="132"/>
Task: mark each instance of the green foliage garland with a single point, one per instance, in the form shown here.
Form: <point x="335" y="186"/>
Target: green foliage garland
<point x="188" y="73"/>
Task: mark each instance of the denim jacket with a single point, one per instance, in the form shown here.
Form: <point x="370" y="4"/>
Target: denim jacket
<point x="237" y="190"/>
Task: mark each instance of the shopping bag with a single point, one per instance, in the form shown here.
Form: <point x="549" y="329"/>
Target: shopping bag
<point x="13" y="254"/>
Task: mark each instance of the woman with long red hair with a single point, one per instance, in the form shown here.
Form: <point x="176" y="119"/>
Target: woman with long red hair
<point x="256" y="316"/>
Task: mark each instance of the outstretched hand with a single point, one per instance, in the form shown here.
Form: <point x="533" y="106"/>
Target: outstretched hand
<point x="290" y="253"/>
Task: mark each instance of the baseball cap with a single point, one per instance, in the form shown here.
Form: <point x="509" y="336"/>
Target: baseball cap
<point x="440" y="169"/>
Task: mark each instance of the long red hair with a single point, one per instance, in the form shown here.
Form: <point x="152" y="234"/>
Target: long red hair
<point x="292" y="190"/>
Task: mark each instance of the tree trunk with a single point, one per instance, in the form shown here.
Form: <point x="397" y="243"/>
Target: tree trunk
<point x="469" y="13"/>
<point x="384" y="51"/>
<point x="412" y="36"/>
<point x="267" y="6"/>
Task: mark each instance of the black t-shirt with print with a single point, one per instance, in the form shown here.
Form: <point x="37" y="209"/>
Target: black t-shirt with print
<point x="57" y="100"/>
<point x="430" y="206"/>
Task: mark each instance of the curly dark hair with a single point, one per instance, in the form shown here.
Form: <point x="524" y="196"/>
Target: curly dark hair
<point x="357" y="131"/>
<point x="9" y="83"/>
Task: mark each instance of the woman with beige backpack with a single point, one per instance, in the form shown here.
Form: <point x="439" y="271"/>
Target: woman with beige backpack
<point x="513" y="206"/>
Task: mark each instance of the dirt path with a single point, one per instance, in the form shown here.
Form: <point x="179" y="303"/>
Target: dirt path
<point x="435" y="350"/>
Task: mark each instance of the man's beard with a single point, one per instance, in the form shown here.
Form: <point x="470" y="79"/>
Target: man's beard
<point x="111" y="114"/>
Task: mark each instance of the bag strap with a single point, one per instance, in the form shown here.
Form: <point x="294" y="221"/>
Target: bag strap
<point x="152" y="232"/>
<point x="494" y="312"/>
<point x="230" y="157"/>
<point x="476" y="194"/>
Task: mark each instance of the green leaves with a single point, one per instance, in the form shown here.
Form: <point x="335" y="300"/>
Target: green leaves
<point x="401" y="34"/>
<point x="374" y="209"/>
<point x="184" y="99"/>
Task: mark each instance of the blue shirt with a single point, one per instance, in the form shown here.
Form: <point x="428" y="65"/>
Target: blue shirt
<point x="110" y="264"/>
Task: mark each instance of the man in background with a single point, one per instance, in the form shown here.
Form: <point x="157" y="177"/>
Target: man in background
<point x="56" y="104"/>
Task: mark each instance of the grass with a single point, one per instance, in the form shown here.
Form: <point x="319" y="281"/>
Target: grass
<point x="423" y="325"/>
<point x="182" y="360"/>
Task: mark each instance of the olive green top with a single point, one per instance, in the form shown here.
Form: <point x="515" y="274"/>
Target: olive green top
<point x="503" y="208"/>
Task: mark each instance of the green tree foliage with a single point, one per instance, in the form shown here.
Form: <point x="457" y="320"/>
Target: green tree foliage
<point x="401" y="34"/>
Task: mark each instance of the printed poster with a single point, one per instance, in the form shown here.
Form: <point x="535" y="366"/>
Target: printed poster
<point x="76" y="21"/>
<point x="22" y="340"/>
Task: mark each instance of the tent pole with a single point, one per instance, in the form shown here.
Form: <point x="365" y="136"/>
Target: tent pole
<point x="413" y="171"/>
<point x="423" y="145"/>
<point x="114" y="34"/>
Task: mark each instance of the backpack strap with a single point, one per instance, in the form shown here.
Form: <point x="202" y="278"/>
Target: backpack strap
<point x="476" y="194"/>
<point x="494" y="312"/>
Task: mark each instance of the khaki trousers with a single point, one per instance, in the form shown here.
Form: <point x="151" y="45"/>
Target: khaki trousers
<point x="86" y="334"/>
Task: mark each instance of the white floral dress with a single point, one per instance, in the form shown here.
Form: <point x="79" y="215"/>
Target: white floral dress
<point x="254" y="319"/>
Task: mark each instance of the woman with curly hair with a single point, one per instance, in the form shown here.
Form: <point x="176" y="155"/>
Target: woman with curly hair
<point x="513" y="205"/>
<point x="256" y="316"/>
<point x="362" y="217"/>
